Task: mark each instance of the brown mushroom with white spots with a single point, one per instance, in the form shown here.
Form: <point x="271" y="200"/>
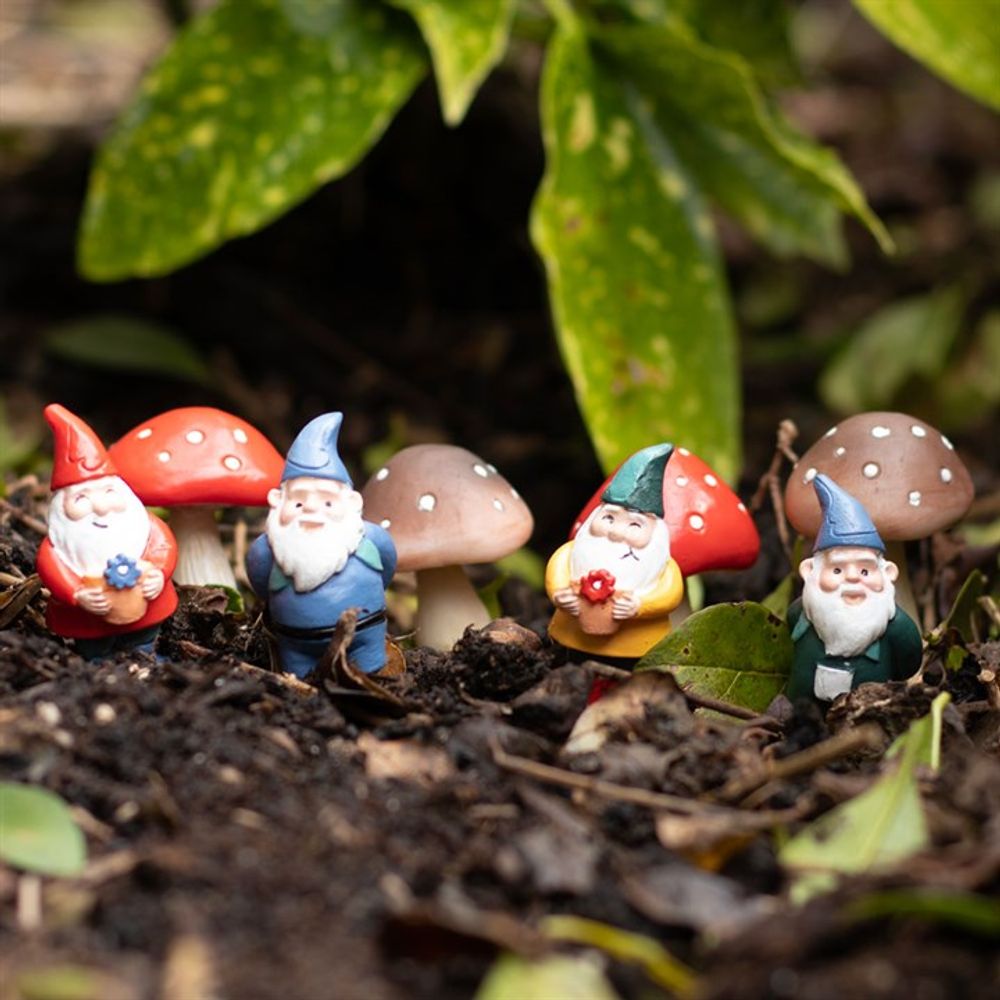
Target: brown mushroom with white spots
<point x="192" y="461"/>
<point x="905" y="473"/>
<point x="445" y="507"/>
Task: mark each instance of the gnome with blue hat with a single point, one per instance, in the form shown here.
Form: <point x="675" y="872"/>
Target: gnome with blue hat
<point x="847" y="628"/>
<point x="319" y="558"/>
<point x="615" y="584"/>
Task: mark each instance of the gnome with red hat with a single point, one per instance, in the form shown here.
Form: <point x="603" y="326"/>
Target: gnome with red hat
<point x="107" y="561"/>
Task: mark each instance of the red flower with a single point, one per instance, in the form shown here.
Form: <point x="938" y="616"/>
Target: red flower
<point x="597" y="586"/>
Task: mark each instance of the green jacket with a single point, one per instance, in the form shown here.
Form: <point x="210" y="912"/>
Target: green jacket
<point x="895" y="656"/>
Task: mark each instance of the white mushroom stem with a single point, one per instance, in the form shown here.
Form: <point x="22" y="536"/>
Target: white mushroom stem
<point x="201" y="560"/>
<point x="905" y="598"/>
<point x="447" y="604"/>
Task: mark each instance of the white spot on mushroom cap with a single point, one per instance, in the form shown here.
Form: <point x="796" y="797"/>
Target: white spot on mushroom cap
<point x="240" y="435"/>
<point x="683" y="451"/>
<point x="809" y="476"/>
<point x="917" y="431"/>
<point x="741" y="506"/>
<point x="163" y="456"/>
<point x="878" y="431"/>
<point x="696" y="521"/>
<point x="497" y="503"/>
<point x="382" y="473"/>
<point x="232" y="463"/>
<point x="710" y="480"/>
<point x="871" y="470"/>
<point x="194" y="437"/>
<point x="947" y="443"/>
<point x="145" y="433"/>
<point x="914" y="498"/>
<point x="385" y="522"/>
<point x="831" y="432"/>
<point x="515" y="494"/>
<point x="427" y="502"/>
<point x="682" y="481"/>
<point x="480" y="470"/>
<point x="840" y="452"/>
<point x="946" y="475"/>
<point x="492" y="468"/>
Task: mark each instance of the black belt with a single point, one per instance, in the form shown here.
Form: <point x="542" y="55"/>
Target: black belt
<point x="324" y="632"/>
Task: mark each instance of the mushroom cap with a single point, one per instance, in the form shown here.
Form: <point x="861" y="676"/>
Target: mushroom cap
<point x="445" y="506"/>
<point x="198" y="455"/>
<point x="905" y="473"/>
<point x="710" y="527"/>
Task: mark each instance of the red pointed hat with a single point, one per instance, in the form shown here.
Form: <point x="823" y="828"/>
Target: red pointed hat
<point x="79" y="454"/>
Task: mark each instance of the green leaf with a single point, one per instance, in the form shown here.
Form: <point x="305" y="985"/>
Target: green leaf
<point x="626" y="946"/>
<point x="966" y="609"/>
<point x="740" y="653"/>
<point x="121" y="343"/>
<point x="514" y="978"/>
<point x="467" y="38"/>
<point x="787" y="191"/>
<point x="964" y="910"/>
<point x="642" y="315"/>
<point x="243" y="117"/>
<point x="37" y="832"/>
<point x="969" y="391"/>
<point x="878" y="829"/>
<point x="908" y="338"/>
<point x="959" y="41"/>
<point x="60" y="982"/>
<point x="925" y="734"/>
<point x="778" y="600"/>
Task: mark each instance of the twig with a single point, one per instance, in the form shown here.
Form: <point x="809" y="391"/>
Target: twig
<point x="770" y="482"/>
<point x="39" y="527"/>
<point x="693" y="698"/>
<point x="288" y="680"/>
<point x="862" y="738"/>
<point x="598" y="786"/>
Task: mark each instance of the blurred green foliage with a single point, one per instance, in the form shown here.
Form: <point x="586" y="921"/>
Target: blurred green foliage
<point x="652" y="111"/>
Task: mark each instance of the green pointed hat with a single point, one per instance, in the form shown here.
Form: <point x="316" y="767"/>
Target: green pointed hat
<point x="638" y="484"/>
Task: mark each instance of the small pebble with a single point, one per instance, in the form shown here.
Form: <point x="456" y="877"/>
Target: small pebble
<point x="104" y="714"/>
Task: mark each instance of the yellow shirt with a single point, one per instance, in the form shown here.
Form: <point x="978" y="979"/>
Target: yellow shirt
<point x="635" y="636"/>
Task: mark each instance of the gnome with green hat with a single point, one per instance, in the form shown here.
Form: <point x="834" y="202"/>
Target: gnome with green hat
<point x="615" y="584"/>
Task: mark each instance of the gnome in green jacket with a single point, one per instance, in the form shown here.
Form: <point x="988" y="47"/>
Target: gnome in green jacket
<point x="847" y="628"/>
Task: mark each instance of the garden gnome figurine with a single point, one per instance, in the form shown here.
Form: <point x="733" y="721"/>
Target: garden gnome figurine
<point x="318" y="557"/>
<point x="106" y="561"/>
<point x="847" y="628"/>
<point x="614" y="585"/>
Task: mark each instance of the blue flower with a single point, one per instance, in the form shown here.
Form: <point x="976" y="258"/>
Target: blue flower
<point x="122" y="572"/>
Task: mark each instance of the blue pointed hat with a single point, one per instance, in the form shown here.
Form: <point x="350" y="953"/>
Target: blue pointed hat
<point x="314" y="451"/>
<point x="845" y="520"/>
<point x="638" y="484"/>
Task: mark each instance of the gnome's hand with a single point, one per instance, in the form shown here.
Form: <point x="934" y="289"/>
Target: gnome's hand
<point x="152" y="583"/>
<point x="567" y="599"/>
<point x="624" y="605"/>
<point x="94" y="600"/>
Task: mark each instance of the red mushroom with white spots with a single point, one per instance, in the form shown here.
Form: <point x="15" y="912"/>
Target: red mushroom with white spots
<point x="710" y="527"/>
<point x="904" y="472"/>
<point x="192" y="461"/>
<point x="445" y="507"/>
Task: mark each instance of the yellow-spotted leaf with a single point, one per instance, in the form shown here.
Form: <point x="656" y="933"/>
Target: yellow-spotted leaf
<point x="958" y="39"/>
<point x="641" y="310"/>
<point x="243" y="117"/>
<point x="783" y="188"/>
<point x="467" y="38"/>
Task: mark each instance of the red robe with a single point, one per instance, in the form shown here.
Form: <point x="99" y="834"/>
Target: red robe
<point x="65" y="617"/>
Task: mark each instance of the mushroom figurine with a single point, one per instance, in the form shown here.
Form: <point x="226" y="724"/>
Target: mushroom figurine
<point x="192" y="461"/>
<point x="905" y="474"/>
<point x="446" y="507"/>
<point x="106" y="560"/>
<point x="663" y="515"/>
<point x="847" y="628"/>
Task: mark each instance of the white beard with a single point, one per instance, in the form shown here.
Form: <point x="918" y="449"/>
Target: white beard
<point x="845" y="629"/>
<point x="310" y="558"/>
<point x="636" y="575"/>
<point x="86" y="549"/>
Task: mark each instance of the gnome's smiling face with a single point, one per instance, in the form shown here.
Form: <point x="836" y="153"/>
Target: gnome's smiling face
<point x="313" y="527"/>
